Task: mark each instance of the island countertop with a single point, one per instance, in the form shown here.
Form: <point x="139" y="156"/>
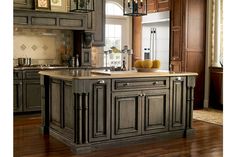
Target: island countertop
<point x="71" y="74"/>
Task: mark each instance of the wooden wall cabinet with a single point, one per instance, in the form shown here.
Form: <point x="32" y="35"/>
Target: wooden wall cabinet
<point x="187" y="49"/>
<point x="157" y="5"/>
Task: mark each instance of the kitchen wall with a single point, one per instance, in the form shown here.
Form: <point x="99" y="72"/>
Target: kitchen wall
<point x="44" y="46"/>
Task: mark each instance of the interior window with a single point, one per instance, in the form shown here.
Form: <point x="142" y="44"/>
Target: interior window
<point x="116" y="35"/>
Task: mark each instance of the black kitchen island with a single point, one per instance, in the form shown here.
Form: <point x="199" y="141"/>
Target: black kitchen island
<point x="91" y="109"/>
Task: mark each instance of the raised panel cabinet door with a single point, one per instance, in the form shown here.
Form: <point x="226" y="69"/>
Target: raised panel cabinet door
<point x="163" y="5"/>
<point x="151" y="6"/>
<point x="177" y="103"/>
<point x="155" y="111"/>
<point x="55" y="98"/>
<point x="99" y="23"/>
<point x="31" y="95"/>
<point x="17" y="97"/>
<point x="126" y="114"/>
<point x="99" y="110"/>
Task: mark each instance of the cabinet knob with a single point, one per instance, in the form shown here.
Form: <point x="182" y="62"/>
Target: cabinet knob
<point x="101" y="82"/>
<point x="178" y="79"/>
<point x="141" y="94"/>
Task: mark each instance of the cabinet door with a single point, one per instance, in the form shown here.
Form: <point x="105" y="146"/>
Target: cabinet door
<point x="32" y="95"/>
<point x="155" y="108"/>
<point x="99" y="110"/>
<point x="99" y="23"/>
<point x="177" y="103"/>
<point x="163" y="5"/>
<point x="17" y="99"/>
<point x="126" y="114"/>
<point x="176" y="30"/>
<point x="151" y="6"/>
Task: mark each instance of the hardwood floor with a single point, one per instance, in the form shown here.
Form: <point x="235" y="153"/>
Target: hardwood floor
<point x="207" y="141"/>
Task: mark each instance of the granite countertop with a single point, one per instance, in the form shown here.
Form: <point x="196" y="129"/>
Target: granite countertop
<point x="70" y="74"/>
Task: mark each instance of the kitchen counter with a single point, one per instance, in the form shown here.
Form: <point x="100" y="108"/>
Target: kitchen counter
<point x="91" y="109"/>
<point x="70" y="74"/>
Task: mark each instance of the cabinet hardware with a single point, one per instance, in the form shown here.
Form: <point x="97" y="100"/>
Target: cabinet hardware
<point x="101" y="82"/>
<point x="126" y="84"/>
<point x="178" y="79"/>
<point x="156" y="82"/>
<point x="140" y="94"/>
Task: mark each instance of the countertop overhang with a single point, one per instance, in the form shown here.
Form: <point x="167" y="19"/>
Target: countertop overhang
<point x="71" y="74"/>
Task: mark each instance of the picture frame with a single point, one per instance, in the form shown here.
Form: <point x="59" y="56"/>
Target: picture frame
<point x="60" y="5"/>
<point x="42" y="5"/>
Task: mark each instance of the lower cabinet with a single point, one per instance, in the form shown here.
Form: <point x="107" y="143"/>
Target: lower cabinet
<point x="126" y="114"/>
<point x="17" y="96"/>
<point x="31" y="95"/>
<point x="139" y="112"/>
<point x="155" y="111"/>
<point x="177" y="103"/>
<point x="99" y="109"/>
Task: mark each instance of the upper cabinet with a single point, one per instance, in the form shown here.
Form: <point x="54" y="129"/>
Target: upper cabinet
<point x="26" y="4"/>
<point x="25" y="15"/>
<point x="157" y="5"/>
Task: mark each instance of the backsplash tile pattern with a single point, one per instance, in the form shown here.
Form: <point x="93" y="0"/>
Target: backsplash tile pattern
<point x="44" y="46"/>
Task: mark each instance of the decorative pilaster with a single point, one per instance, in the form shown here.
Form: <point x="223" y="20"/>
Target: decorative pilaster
<point x="191" y="80"/>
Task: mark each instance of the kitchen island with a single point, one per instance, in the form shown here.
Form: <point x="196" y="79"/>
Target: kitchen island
<point x="92" y="109"/>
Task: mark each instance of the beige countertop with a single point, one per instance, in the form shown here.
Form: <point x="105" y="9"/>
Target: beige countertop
<point x="98" y="74"/>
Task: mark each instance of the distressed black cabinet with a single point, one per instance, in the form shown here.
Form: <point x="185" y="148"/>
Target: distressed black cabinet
<point x="99" y="109"/>
<point x="126" y="114"/>
<point x="155" y="111"/>
<point x="27" y="93"/>
<point x="177" y="103"/>
<point x="17" y="97"/>
<point x="136" y="112"/>
<point x="31" y="95"/>
<point x="62" y="108"/>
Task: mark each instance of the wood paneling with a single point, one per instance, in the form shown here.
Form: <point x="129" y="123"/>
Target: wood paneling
<point x="194" y="45"/>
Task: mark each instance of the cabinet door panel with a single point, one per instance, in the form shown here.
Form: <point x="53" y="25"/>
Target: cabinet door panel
<point x="177" y="103"/>
<point x="32" y="95"/>
<point x="17" y="97"/>
<point x="155" y="111"/>
<point x="126" y="114"/>
<point x="99" y="110"/>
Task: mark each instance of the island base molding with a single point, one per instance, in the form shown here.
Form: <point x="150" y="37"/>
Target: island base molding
<point x="90" y="147"/>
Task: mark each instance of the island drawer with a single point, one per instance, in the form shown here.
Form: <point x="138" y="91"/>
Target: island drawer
<point x="140" y="83"/>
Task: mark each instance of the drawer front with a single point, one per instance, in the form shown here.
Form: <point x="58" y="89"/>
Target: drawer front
<point x="17" y="75"/>
<point x="140" y="83"/>
<point x="31" y="75"/>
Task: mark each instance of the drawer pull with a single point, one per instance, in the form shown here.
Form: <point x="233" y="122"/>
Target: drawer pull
<point x="126" y="84"/>
<point x="101" y="82"/>
<point x="157" y="82"/>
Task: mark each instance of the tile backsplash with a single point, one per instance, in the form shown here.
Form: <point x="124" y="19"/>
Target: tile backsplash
<point x="43" y="46"/>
